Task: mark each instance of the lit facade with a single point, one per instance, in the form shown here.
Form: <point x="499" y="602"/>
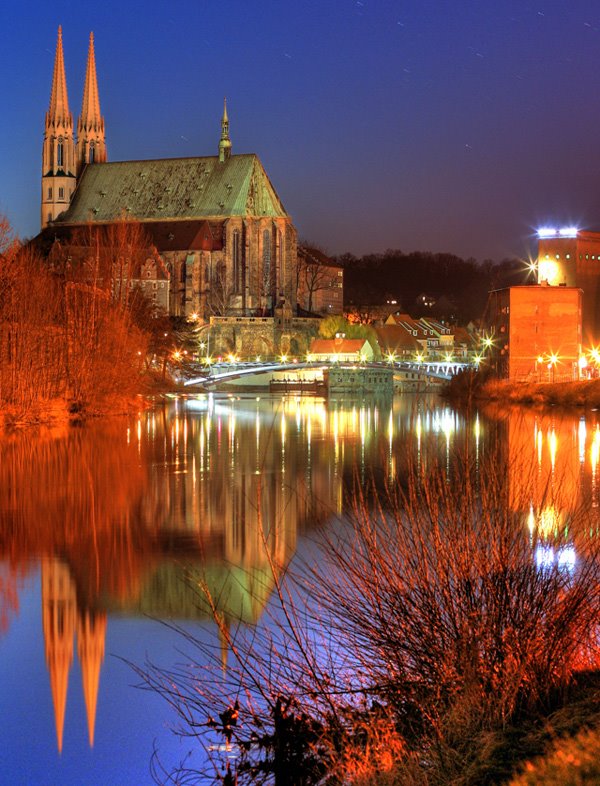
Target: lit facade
<point x="228" y="244"/>
<point x="536" y="333"/>
<point x="569" y="257"/>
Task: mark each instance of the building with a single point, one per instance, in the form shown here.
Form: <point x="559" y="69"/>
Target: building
<point x="535" y="333"/>
<point x="570" y="257"/>
<point x="407" y="337"/>
<point x="227" y="242"/>
<point x="341" y="350"/>
<point x="320" y="283"/>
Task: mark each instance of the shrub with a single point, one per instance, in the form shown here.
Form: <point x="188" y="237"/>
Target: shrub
<point x="424" y="637"/>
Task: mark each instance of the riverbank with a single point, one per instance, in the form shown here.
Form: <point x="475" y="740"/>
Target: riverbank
<point x="469" y="388"/>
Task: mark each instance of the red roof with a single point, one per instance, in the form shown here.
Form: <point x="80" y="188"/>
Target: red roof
<point x="337" y="346"/>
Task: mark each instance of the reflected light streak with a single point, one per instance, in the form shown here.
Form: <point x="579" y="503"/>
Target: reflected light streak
<point x="553" y="445"/>
<point x="581" y="434"/>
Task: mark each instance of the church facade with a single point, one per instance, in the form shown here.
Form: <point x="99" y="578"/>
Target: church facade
<point x="222" y="232"/>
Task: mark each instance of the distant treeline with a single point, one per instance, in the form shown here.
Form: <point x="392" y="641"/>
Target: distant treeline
<point x="459" y="286"/>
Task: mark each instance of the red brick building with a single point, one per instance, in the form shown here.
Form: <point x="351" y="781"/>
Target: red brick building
<point x="536" y="332"/>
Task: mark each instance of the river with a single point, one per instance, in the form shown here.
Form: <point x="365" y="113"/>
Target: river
<point x="101" y="524"/>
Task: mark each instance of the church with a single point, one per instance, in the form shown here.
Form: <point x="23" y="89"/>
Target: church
<point x="227" y="246"/>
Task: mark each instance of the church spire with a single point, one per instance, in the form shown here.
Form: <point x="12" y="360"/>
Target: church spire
<point x="58" y="154"/>
<point x="91" y="633"/>
<point x="91" y="146"/>
<point x="59" y="102"/>
<point x="225" y="143"/>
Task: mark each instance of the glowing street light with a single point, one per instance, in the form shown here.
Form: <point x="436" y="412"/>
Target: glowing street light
<point x="448" y="357"/>
<point x="232" y="358"/>
<point x="177" y="355"/>
<point x="419" y="357"/>
<point x="283" y="359"/>
<point x="390" y="357"/>
<point x="552" y="361"/>
<point x="488" y="342"/>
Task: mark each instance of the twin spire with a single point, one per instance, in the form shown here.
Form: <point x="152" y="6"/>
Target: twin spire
<point x="91" y="145"/>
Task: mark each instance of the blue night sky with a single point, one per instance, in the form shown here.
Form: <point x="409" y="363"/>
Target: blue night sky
<point x="442" y="126"/>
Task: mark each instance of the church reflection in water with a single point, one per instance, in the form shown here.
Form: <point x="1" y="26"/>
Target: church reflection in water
<point x="132" y="517"/>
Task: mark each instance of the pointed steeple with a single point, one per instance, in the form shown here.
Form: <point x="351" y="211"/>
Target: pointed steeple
<point x="91" y="634"/>
<point x="58" y="153"/>
<point x="91" y="145"/>
<point x="58" y="111"/>
<point x="225" y="143"/>
<point x="90" y="108"/>
<point x="58" y="619"/>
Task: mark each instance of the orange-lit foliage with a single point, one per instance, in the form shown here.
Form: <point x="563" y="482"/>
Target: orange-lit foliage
<point x="80" y="496"/>
<point x="63" y="338"/>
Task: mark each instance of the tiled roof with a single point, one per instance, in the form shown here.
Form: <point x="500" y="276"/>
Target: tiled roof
<point x="316" y="256"/>
<point x="173" y="188"/>
<point x="337" y="346"/>
<point x="395" y="338"/>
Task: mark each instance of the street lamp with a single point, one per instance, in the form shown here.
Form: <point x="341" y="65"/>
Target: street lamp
<point x="552" y="361"/>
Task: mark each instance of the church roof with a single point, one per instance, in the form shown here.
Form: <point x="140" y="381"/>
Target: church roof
<point x="173" y="189"/>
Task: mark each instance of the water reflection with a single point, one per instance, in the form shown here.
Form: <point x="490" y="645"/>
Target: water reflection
<point x="130" y="517"/>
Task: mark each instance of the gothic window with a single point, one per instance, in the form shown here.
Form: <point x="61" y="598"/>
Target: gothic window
<point x="280" y="261"/>
<point x="61" y="193"/>
<point x="59" y="154"/>
<point x="236" y="258"/>
<point x="92" y="153"/>
<point x="267" y="258"/>
<point x="49" y="193"/>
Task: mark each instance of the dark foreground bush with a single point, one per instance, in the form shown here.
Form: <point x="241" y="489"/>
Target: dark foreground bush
<point x="420" y="648"/>
<point x="574" y="761"/>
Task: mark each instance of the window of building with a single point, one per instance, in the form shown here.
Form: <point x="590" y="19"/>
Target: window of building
<point x="280" y="260"/>
<point x="59" y="154"/>
<point x="49" y="193"/>
<point x="236" y="258"/>
<point x="92" y="155"/>
<point x="267" y="259"/>
<point x="61" y="193"/>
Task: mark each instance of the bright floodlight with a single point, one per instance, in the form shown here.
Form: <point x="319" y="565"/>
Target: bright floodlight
<point x="546" y="232"/>
<point x="568" y="231"/>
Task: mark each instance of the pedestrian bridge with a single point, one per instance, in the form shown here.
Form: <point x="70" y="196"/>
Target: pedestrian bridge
<point x="211" y="376"/>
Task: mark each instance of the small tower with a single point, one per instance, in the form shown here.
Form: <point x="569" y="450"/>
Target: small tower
<point x="58" y="152"/>
<point x="225" y="143"/>
<point x="91" y="145"/>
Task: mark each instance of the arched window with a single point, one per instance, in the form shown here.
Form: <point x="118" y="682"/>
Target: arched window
<point x="267" y="260"/>
<point x="92" y="155"/>
<point x="280" y="261"/>
<point x="236" y="258"/>
<point x="59" y="154"/>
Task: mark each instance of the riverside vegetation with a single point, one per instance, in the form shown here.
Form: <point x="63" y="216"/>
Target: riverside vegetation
<point x="430" y="648"/>
<point x="71" y="342"/>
